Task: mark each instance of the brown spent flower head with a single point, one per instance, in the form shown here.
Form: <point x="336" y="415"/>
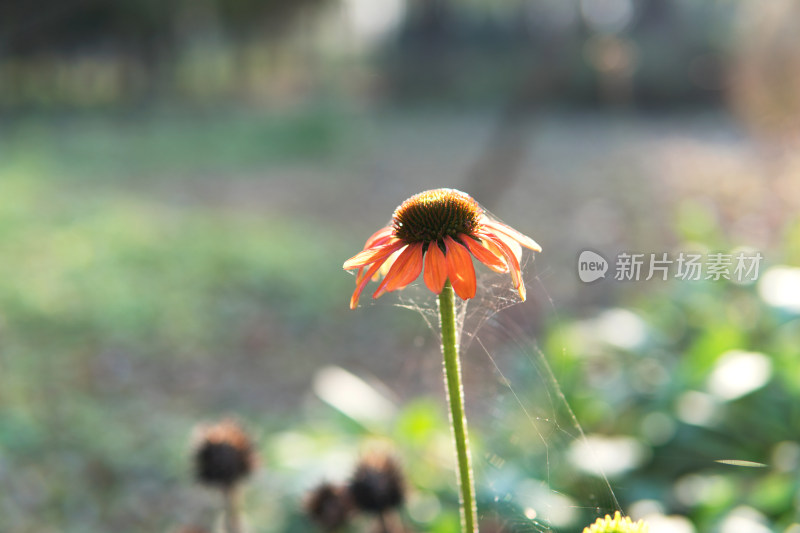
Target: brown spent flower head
<point x="329" y="506"/>
<point x="224" y="454"/>
<point x="377" y="484"/>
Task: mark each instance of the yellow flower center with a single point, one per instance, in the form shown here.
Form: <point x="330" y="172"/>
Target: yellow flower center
<point x="618" y="524"/>
<point x="430" y="216"/>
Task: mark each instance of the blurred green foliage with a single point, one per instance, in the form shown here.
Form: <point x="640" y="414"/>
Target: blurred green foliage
<point x="643" y="392"/>
<point x="111" y="296"/>
<point x="111" y="148"/>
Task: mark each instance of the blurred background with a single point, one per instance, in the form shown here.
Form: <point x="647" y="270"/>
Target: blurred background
<point x="181" y="181"/>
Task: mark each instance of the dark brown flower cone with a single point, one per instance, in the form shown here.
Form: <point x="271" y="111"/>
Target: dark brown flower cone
<point x="377" y="486"/>
<point x="223" y="455"/>
<point x="329" y="506"/>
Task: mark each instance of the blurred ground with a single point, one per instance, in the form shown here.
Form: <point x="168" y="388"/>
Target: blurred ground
<point x="146" y="286"/>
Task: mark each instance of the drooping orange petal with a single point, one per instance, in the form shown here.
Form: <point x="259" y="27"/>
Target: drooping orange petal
<point x="513" y="264"/>
<point x="370" y="255"/>
<point x="379" y="237"/>
<point x="486" y="256"/>
<point x="513" y="245"/>
<point x="524" y="240"/>
<point x="411" y="270"/>
<point x="460" y="269"/>
<point x="493" y="248"/>
<point x="363" y="283"/>
<point x="435" y="268"/>
<point x="408" y="263"/>
<point x="387" y="265"/>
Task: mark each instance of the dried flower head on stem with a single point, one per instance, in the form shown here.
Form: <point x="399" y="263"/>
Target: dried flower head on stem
<point x="223" y="457"/>
<point x="329" y="506"/>
<point x="377" y="485"/>
<point x="224" y="454"/>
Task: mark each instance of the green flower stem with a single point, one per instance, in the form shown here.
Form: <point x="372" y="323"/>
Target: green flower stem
<point x="455" y="399"/>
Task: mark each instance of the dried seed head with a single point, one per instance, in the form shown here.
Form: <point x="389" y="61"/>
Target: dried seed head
<point x="430" y="216"/>
<point x="329" y="506"/>
<point x="224" y="454"/>
<point x="377" y="484"/>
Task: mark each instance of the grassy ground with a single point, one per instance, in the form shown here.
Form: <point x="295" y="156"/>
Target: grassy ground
<point x="164" y="269"/>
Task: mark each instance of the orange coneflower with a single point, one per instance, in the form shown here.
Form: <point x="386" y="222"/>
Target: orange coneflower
<point x="439" y="228"/>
